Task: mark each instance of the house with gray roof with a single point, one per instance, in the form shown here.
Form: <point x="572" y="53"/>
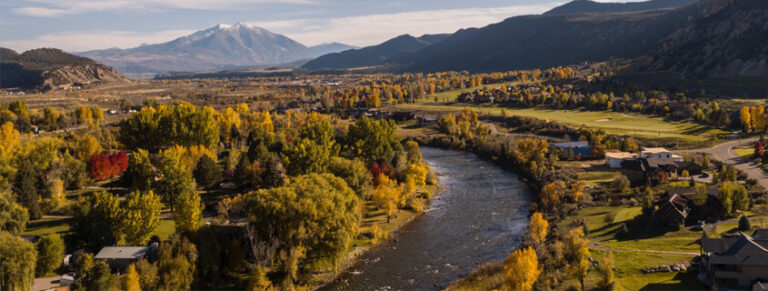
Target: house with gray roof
<point x="119" y="258"/>
<point x="739" y="262"/>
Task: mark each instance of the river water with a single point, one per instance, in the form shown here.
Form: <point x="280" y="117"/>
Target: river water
<point x="480" y="217"/>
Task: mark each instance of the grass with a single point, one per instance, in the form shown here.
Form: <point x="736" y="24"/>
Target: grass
<point x="598" y="177"/>
<point x="450" y="96"/>
<point x="612" y="122"/>
<point x="47" y="226"/>
<point x="744" y="153"/>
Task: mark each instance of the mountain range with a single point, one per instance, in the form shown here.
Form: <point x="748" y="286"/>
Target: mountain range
<point x="47" y="68"/>
<point x="374" y="55"/>
<point x="706" y="38"/>
<point x="218" y="47"/>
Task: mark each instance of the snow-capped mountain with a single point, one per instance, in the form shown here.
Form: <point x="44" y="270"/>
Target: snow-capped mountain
<point x="220" y="46"/>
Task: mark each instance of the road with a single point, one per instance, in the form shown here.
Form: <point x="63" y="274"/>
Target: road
<point x="724" y="152"/>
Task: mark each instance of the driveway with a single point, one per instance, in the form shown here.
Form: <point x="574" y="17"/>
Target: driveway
<point x="724" y="152"/>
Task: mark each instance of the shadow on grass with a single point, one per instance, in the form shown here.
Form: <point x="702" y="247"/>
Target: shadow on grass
<point x="682" y="281"/>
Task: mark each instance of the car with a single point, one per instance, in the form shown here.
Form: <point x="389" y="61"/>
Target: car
<point x="704" y="175"/>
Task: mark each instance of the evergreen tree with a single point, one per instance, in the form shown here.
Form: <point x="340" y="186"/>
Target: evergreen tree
<point x="207" y="173"/>
<point x="274" y="172"/>
<point x="744" y="223"/>
<point x="242" y="172"/>
<point x="25" y="187"/>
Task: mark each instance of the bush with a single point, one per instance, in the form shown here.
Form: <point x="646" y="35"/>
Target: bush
<point x="610" y="217"/>
<point x="744" y="223"/>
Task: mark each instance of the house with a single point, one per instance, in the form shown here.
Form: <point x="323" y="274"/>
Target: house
<point x="739" y="262"/>
<point x="661" y="154"/>
<point x="649" y="170"/>
<point x="677" y="207"/>
<point x="120" y="258"/>
<point x="579" y="148"/>
<point x="614" y="159"/>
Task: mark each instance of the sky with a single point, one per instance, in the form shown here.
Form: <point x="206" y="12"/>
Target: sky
<point x="80" y="25"/>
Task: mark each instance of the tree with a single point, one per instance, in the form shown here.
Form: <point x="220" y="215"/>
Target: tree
<point x="537" y="228"/>
<point x="13" y="216"/>
<point x="576" y="190"/>
<point x="189" y="211"/>
<point x="207" y="173"/>
<point x="259" y="280"/>
<point x="744" y="223"/>
<point x="73" y="172"/>
<point x="386" y="196"/>
<point x="274" y="172"/>
<point x="148" y="274"/>
<point x="87" y="146"/>
<point x="647" y="201"/>
<point x="131" y="281"/>
<point x="176" y="264"/>
<point x="315" y="218"/>
<point x="308" y="156"/>
<point x="355" y="174"/>
<point x="579" y="255"/>
<point x="243" y="172"/>
<point x="17" y="266"/>
<point x="621" y="184"/>
<point x="700" y="195"/>
<point x="176" y="178"/>
<point x="9" y="146"/>
<point x="25" y="187"/>
<point x="521" y="269"/>
<point x="705" y="162"/>
<point x="50" y="250"/>
<point x="607" y="266"/>
<point x="97" y="220"/>
<point x="740" y="197"/>
<point x="551" y="194"/>
<point x="140" y="171"/>
<point x="140" y="217"/>
<point x="92" y="275"/>
<point x="374" y="140"/>
<point x="725" y="195"/>
<point x="413" y="152"/>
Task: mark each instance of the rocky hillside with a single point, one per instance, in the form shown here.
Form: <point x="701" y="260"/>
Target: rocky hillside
<point x="48" y="68"/>
<point x="218" y="47"/>
<point x="730" y="40"/>
<point x="588" y="6"/>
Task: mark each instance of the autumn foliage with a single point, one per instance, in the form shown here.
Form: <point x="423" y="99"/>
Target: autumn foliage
<point x="102" y="167"/>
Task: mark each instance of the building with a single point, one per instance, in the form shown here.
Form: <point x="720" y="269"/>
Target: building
<point x="660" y="154"/>
<point x="676" y="207"/>
<point x="614" y="159"/>
<point x="579" y="148"/>
<point x="649" y="170"/>
<point x="739" y="262"/>
<point x="120" y="258"/>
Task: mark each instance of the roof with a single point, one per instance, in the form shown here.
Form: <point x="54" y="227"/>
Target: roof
<point x="620" y="155"/>
<point x="689" y="192"/>
<point x="657" y="163"/>
<point x="742" y="250"/>
<point x="761" y="234"/>
<point x="111" y="253"/>
<point x="571" y="144"/>
<point x="655" y="150"/>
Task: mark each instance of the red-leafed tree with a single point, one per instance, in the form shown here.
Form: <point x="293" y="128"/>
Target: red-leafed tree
<point x="759" y="150"/>
<point x="381" y="169"/>
<point x="102" y="167"/>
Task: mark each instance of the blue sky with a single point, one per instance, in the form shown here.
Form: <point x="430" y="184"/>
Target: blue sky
<point x="78" y="25"/>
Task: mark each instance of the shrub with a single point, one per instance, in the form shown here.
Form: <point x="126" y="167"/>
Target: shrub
<point x="744" y="223"/>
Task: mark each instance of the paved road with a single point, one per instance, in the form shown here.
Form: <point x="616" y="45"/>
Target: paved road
<point x="724" y="152"/>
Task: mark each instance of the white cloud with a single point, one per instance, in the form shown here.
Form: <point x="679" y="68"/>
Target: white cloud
<point x="372" y="29"/>
<point x="82" y="41"/>
<point x="52" y="8"/>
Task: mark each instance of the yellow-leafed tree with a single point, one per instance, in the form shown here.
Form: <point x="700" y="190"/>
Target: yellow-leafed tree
<point x="521" y="270"/>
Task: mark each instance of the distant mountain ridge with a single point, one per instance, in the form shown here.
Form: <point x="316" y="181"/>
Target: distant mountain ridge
<point x="217" y="47"/>
<point x="374" y="55"/>
<point x="47" y="68"/>
<point x="730" y="40"/>
<point x="329" y="48"/>
<point x="588" y="6"/>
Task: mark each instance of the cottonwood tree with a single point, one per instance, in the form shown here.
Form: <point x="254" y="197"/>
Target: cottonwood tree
<point x="386" y="196"/>
<point x="130" y="281"/>
<point x="140" y="217"/>
<point x="50" y="250"/>
<point x="176" y="263"/>
<point x="176" y="179"/>
<point x="140" y="171"/>
<point x="374" y="140"/>
<point x="17" y="266"/>
<point x="355" y="174"/>
<point x="521" y="269"/>
<point x="578" y="247"/>
<point x="13" y="216"/>
<point x="537" y="228"/>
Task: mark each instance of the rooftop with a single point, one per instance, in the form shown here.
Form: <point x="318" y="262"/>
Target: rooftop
<point x="571" y="144"/>
<point x="620" y="155"/>
<point x="108" y="253"/>
<point x="654" y="150"/>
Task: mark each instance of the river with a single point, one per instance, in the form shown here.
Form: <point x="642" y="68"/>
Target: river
<point x="480" y="217"/>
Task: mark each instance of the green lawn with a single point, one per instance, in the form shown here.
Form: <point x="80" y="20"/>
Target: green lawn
<point x="598" y="177"/>
<point x="744" y="153"/>
<point x="612" y="122"/>
<point x="634" y="252"/>
<point x="450" y="96"/>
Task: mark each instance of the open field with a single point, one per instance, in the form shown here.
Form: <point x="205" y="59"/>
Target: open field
<point x="598" y="177"/>
<point x="450" y="96"/>
<point x="612" y="122"/>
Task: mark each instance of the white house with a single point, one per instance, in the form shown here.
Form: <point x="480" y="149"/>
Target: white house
<point x="614" y="159"/>
<point x="661" y="154"/>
